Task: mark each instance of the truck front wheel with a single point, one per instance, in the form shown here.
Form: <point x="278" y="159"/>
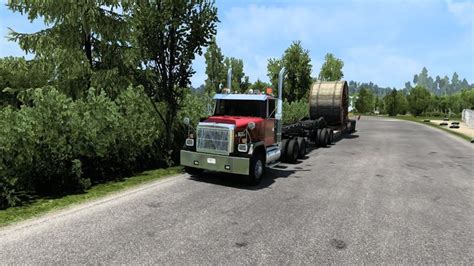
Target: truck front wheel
<point x="257" y="169"/>
<point x="193" y="171"/>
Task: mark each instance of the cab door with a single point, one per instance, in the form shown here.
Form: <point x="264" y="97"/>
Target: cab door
<point x="269" y="135"/>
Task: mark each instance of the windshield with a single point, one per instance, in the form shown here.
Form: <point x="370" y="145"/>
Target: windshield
<point x="241" y="108"/>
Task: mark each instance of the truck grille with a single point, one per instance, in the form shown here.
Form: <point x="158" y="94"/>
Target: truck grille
<point x="214" y="139"/>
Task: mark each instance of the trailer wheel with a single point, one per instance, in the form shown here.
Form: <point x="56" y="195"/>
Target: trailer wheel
<point x="330" y="136"/>
<point x="257" y="169"/>
<point x="284" y="147"/>
<point x="193" y="171"/>
<point x="292" y="151"/>
<point x="302" y="147"/>
<point x="322" y="138"/>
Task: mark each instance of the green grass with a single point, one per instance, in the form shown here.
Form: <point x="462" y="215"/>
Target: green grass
<point x="44" y="205"/>
<point x="419" y="119"/>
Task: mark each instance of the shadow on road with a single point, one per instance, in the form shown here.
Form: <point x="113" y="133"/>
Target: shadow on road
<point x="279" y="171"/>
<point x="237" y="181"/>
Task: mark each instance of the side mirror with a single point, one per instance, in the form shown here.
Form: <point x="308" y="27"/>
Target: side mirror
<point x="186" y="121"/>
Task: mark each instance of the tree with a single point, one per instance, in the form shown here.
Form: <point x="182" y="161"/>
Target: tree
<point x="331" y="70"/>
<point x="297" y="63"/>
<point x="390" y="103"/>
<point x="273" y="67"/>
<point x="17" y="75"/>
<point x="238" y="74"/>
<point x="418" y="100"/>
<point x="365" y="101"/>
<point x="402" y="104"/>
<point x="168" y="35"/>
<point x="87" y="42"/>
<point x="259" y="85"/>
<point x="215" y="69"/>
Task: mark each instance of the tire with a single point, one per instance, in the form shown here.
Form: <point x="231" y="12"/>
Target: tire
<point x="257" y="169"/>
<point x="193" y="171"/>
<point x="322" y="138"/>
<point x="328" y="137"/>
<point x="302" y="147"/>
<point x="292" y="151"/>
<point x="284" y="147"/>
<point x="330" y="134"/>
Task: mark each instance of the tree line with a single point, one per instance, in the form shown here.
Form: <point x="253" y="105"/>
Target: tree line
<point x="418" y="101"/>
<point x="295" y="59"/>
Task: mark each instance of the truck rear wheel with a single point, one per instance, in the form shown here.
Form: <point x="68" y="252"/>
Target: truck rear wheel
<point x="193" y="171"/>
<point x="257" y="169"/>
<point x="292" y="151"/>
<point x="302" y="147"/>
<point x="322" y="138"/>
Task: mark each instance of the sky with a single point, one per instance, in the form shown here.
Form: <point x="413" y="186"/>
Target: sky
<point x="385" y="42"/>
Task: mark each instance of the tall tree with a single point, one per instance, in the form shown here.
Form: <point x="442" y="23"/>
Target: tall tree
<point x="365" y="101"/>
<point x="86" y="42"/>
<point x="331" y="70"/>
<point x="390" y="103"/>
<point x="297" y="62"/>
<point x="168" y="34"/>
<point x="273" y="67"/>
<point x="215" y="69"/>
<point x="238" y="74"/>
<point x="418" y="100"/>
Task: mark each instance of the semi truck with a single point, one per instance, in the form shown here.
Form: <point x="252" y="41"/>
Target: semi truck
<point x="246" y="134"/>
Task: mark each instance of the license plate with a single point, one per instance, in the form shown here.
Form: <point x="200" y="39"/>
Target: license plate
<point x="211" y="160"/>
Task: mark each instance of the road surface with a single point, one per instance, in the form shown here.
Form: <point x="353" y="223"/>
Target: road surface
<point x="393" y="192"/>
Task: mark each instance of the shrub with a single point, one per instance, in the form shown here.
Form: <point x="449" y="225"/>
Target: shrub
<point x="295" y="111"/>
<point x="56" y="145"/>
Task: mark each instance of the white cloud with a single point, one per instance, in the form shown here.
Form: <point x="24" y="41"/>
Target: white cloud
<point x="380" y="65"/>
<point x="463" y="11"/>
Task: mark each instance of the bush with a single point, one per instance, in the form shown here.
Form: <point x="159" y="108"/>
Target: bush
<point x="295" y="111"/>
<point x="57" y="145"/>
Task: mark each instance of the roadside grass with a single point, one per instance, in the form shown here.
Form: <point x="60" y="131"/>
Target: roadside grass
<point x="419" y="119"/>
<point x="43" y="205"/>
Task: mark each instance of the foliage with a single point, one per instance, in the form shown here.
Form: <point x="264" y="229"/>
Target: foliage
<point x="238" y="75"/>
<point x="55" y="145"/>
<point x="418" y="100"/>
<point x="168" y="35"/>
<point x="295" y="111"/>
<point x="215" y="69"/>
<point x="17" y="75"/>
<point x="395" y="103"/>
<point x="365" y="101"/>
<point x="354" y="87"/>
<point x="86" y="43"/>
<point x="297" y="62"/>
<point x="331" y="70"/>
<point x="259" y="85"/>
<point x="439" y="86"/>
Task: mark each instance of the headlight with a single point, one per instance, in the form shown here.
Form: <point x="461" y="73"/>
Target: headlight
<point x="242" y="147"/>
<point x="189" y="142"/>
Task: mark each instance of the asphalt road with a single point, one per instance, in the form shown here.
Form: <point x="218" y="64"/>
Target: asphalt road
<point x="393" y="192"/>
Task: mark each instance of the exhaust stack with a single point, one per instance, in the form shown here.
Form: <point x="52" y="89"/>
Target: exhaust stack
<point x="229" y="79"/>
<point x="279" y="112"/>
